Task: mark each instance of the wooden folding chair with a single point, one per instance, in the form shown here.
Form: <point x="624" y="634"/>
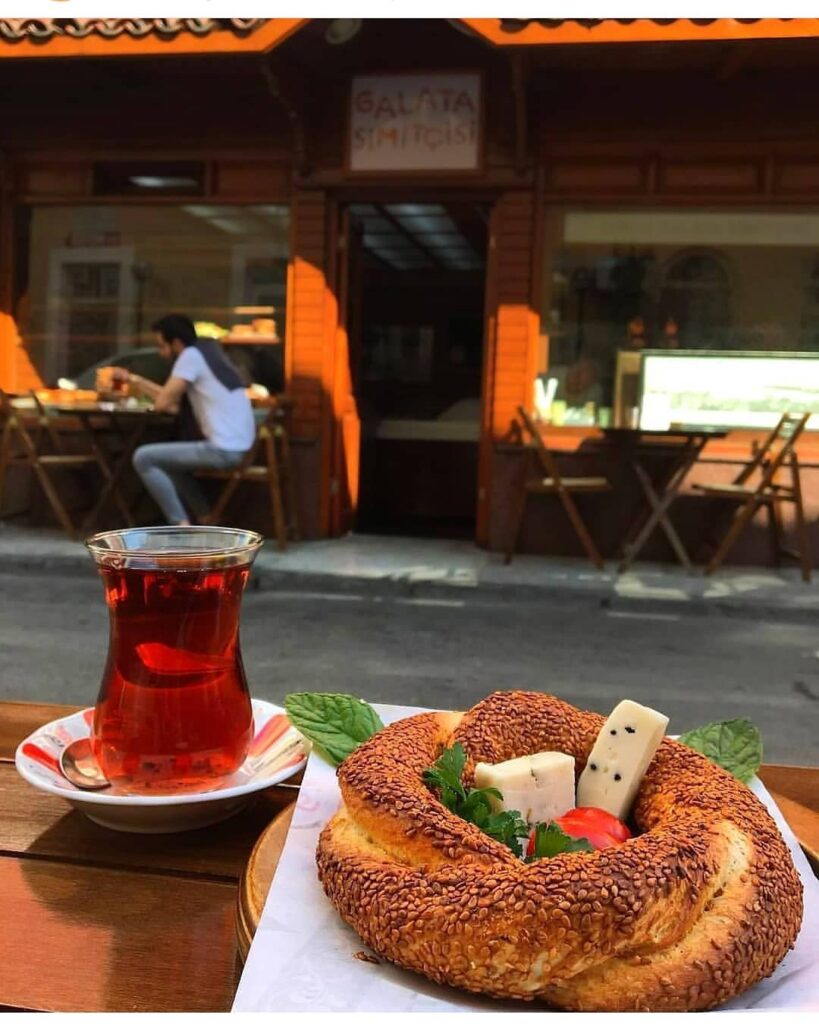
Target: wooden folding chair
<point x="776" y="454"/>
<point x="268" y="461"/>
<point x="18" y="447"/>
<point x="554" y="483"/>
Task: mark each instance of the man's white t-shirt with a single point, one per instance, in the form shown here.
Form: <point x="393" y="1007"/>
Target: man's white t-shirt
<point x="224" y="417"/>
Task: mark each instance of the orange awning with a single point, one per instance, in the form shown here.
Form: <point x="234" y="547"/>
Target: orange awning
<point x="556" y="31"/>
<point x="118" y="37"/>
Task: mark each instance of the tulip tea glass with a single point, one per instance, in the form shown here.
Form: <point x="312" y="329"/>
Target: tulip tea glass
<point x="173" y="711"/>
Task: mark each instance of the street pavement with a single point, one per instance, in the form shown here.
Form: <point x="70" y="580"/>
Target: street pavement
<point x="448" y="648"/>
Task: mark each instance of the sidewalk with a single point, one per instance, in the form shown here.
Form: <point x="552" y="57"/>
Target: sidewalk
<point x="414" y="567"/>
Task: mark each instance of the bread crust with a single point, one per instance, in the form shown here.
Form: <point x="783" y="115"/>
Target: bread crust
<point x="697" y="908"/>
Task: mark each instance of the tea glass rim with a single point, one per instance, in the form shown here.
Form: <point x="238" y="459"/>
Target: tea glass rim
<point x="252" y="543"/>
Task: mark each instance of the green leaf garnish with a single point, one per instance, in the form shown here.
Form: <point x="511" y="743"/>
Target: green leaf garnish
<point x="735" y="745"/>
<point x="335" y="723"/>
<point x="550" y="840"/>
<point x="445" y="776"/>
<point x="474" y="805"/>
<point x="508" y="827"/>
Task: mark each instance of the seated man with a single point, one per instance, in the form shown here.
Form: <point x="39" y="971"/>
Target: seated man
<point x="204" y="384"/>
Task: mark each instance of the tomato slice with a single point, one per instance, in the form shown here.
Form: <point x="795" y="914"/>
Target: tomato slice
<point x="583" y="830"/>
<point x="599" y="820"/>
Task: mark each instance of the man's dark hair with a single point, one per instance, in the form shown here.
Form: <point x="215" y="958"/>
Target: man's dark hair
<point x="174" y="326"/>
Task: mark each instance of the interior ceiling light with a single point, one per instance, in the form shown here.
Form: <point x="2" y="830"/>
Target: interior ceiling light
<point x="156" y="181"/>
<point x="234" y="225"/>
<point x="342" y="30"/>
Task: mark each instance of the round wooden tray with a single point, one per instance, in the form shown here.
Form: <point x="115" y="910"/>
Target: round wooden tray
<point x="257" y="877"/>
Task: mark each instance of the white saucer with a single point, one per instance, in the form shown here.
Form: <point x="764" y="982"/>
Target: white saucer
<point x="276" y="752"/>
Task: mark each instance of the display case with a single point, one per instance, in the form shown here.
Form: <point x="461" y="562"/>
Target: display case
<point x="733" y="390"/>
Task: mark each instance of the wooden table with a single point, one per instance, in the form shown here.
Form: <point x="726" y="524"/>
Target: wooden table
<point x="99" y="920"/>
<point x="686" y="445"/>
<point x="95" y="920"/>
<point x="99" y="419"/>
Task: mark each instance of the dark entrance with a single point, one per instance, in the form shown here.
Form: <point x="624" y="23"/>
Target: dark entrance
<point x="416" y="328"/>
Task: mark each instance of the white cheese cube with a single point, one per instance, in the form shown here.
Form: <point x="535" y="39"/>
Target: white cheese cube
<point x="540" y="786"/>
<point x="619" y="758"/>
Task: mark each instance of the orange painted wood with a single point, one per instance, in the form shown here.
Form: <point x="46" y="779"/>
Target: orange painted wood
<point x="597" y="176"/>
<point x="798" y="177"/>
<point x="344" y="430"/>
<point x="709" y="177"/>
<point x="643" y="30"/>
<point x="511" y="332"/>
<point x="262" y="40"/>
<point x="48" y="179"/>
<point x="267" y="181"/>
<point x="306" y="311"/>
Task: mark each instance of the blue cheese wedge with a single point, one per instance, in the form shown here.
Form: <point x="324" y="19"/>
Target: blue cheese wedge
<point x="619" y="758"/>
<point x="540" y="786"/>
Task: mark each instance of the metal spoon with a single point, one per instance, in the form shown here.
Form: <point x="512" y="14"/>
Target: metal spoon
<point x="79" y="766"/>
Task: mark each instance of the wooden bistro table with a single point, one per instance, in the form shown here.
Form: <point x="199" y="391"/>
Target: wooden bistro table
<point x="96" y="920"/>
<point x="108" y="419"/>
<point x="682" y="447"/>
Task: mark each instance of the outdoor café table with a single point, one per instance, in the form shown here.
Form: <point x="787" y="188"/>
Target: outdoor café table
<point x="96" y="920"/>
<point x="99" y="419"/>
<point x="681" y="447"/>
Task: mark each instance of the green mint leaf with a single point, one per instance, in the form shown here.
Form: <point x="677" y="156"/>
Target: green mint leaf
<point x="550" y="840"/>
<point x="335" y="723"/>
<point x="735" y="745"/>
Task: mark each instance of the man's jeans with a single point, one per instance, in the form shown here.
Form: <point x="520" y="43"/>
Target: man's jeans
<point x="165" y="471"/>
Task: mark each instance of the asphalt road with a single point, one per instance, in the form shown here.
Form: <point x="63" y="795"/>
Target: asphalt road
<point x="450" y="652"/>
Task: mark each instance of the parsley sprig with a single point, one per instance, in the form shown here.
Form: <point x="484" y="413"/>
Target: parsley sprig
<point x="475" y="806"/>
<point x="550" y="840"/>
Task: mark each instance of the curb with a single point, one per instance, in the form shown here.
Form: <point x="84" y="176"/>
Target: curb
<point x="591" y="597"/>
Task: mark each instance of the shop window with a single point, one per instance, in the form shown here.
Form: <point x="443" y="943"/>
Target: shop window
<point x="618" y="283"/>
<point x="90" y="281"/>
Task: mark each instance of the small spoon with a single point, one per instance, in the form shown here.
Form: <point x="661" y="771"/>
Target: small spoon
<point x="79" y="766"/>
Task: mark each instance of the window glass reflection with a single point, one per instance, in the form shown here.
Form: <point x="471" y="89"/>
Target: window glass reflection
<point x="625" y="281"/>
<point x="90" y="281"/>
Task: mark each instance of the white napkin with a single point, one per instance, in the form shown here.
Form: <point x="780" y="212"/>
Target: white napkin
<point x="303" y="957"/>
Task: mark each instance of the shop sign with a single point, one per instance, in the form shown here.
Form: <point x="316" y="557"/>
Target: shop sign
<point x="415" y="122"/>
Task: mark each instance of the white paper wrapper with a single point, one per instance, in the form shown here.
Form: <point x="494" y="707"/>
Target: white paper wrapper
<point x="303" y="956"/>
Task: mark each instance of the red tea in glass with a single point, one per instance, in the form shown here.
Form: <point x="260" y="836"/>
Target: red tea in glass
<point x="174" y="709"/>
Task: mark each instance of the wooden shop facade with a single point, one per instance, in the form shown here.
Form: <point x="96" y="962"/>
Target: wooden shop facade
<point x="413" y="227"/>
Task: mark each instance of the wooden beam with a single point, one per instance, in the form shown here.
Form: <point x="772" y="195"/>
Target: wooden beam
<point x="519" y="90"/>
<point x="641" y="30"/>
<point x="8" y="332"/>
<point x="291" y="110"/>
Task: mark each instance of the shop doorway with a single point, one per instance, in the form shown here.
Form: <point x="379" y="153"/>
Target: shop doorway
<point x="412" y="288"/>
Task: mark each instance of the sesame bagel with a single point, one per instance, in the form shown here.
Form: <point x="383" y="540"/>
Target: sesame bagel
<point x="699" y="906"/>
